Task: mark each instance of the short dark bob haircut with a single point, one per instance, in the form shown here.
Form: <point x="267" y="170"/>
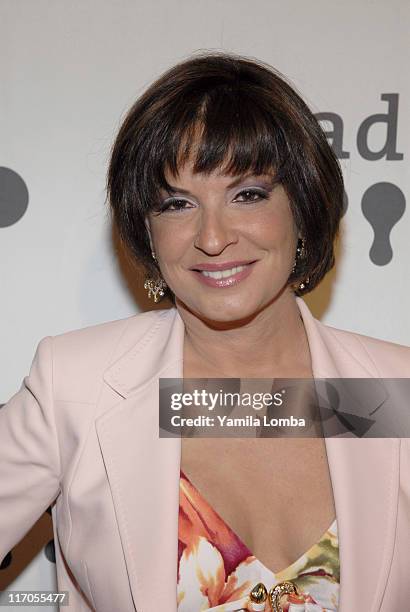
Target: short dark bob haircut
<point x="241" y="116"/>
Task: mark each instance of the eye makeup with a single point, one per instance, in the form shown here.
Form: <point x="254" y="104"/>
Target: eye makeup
<point x="250" y="193"/>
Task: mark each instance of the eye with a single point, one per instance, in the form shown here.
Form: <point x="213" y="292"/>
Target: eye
<point x="174" y="204"/>
<point x="251" y="195"/>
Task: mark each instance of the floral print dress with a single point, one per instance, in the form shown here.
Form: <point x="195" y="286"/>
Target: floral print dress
<point x="216" y="570"/>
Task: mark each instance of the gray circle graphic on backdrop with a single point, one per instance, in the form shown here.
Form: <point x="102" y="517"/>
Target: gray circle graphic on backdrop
<point x="383" y="204"/>
<point x="13" y="197"/>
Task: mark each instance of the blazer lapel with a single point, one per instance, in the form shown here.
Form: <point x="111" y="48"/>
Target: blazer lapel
<point x="143" y="470"/>
<point x="364" y="475"/>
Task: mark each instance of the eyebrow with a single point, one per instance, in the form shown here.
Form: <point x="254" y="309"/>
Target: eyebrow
<point x="235" y="182"/>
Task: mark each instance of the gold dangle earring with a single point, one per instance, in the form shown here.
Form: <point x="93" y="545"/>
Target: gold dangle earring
<point x="156" y="286"/>
<point x="300" y="255"/>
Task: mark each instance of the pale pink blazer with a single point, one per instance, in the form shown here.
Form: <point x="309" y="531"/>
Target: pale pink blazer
<point x="83" y="430"/>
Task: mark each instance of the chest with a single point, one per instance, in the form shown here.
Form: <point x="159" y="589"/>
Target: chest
<point x="276" y="495"/>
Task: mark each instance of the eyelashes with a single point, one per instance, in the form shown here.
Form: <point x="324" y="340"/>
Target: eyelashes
<point x="245" y="196"/>
<point x="249" y="193"/>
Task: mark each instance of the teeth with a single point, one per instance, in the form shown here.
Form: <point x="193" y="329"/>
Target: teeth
<point x="223" y="273"/>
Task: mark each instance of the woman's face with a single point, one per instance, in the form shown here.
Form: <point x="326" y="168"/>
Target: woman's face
<point x="225" y="245"/>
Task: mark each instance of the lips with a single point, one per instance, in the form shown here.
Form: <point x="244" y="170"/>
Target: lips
<point x="224" y="276"/>
<point x="228" y="265"/>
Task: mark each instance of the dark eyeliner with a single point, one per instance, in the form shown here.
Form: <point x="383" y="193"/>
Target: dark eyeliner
<point x="252" y="190"/>
<point x="164" y="206"/>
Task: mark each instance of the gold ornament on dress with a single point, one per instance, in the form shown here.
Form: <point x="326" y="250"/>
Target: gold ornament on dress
<point x="258" y="597"/>
<point x="276" y="593"/>
<point x="259" y="594"/>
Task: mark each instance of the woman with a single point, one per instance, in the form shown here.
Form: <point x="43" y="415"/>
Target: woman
<point x="223" y="185"/>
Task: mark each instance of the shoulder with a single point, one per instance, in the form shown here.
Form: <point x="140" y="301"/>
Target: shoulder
<point x="96" y="337"/>
<point x="390" y="359"/>
<point x="80" y="356"/>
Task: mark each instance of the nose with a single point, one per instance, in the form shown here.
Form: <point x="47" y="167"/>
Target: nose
<point x="215" y="232"/>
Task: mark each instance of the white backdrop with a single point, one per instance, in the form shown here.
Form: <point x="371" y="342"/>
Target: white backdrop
<point x="68" y="73"/>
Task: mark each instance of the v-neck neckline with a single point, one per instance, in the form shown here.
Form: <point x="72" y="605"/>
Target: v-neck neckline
<point x="332" y="527"/>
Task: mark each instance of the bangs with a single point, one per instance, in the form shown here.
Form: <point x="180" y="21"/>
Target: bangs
<point x="226" y="129"/>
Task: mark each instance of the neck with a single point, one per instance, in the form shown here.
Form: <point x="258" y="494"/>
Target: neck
<point x="270" y="344"/>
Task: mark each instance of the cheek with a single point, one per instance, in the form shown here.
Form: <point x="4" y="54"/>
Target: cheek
<point x="173" y="242"/>
<point x="275" y="230"/>
<point x="167" y="240"/>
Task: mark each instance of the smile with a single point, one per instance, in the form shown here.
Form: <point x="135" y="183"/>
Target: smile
<point x="223" y="273"/>
<point x="224" y="278"/>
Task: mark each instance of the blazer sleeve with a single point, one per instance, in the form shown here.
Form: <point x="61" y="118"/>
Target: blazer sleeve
<point x="29" y="451"/>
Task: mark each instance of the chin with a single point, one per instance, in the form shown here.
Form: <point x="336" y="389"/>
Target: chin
<point x="223" y="310"/>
